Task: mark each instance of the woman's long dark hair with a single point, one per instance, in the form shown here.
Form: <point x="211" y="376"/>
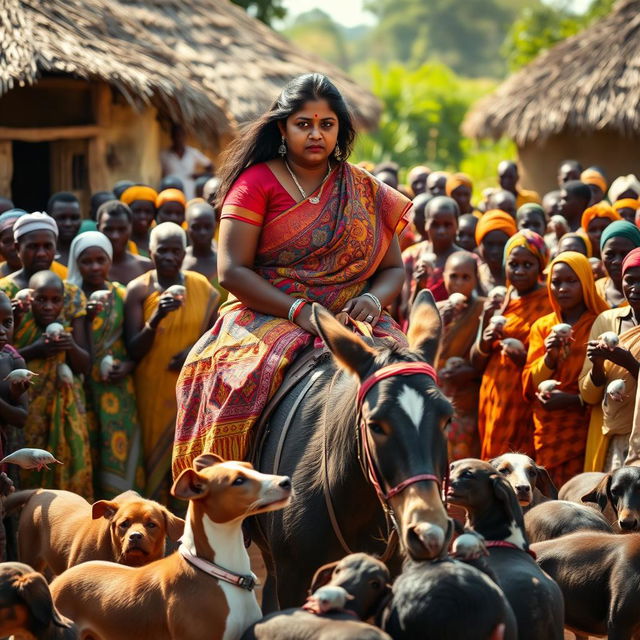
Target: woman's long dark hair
<point x="260" y="141"/>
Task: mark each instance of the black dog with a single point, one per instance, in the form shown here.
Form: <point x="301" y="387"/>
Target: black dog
<point x="493" y="511"/>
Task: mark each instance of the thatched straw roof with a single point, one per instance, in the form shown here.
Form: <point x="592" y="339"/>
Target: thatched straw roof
<point x="205" y="63"/>
<point x="588" y="82"/>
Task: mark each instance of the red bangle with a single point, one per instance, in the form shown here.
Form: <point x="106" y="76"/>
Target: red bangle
<point x="296" y="313"/>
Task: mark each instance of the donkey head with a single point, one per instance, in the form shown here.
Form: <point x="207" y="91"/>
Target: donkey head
<point x="405" y="417"/>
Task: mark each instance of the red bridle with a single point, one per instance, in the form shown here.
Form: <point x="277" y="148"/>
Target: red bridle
<point x="389" y="371"/>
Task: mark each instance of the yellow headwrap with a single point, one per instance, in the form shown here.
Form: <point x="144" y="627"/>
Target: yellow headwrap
<point x="170" y="195"/>
<point x="582" y="268"/>
<point x="495" y="220"/>
<point x="456" y="180"/>
<point x="139" y="192"/>
<point x="600" y="210"/>
<point x="592" y="176"/>
<point x="626" y="203"/>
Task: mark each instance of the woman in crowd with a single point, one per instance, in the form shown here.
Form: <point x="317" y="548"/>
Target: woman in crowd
<point x="595" y="220"/>
<point x="142" y="202"/>
<point x="504" y="420"/>
<point x="298" y="224"/>
<point x="492" y="233"/>
<point x="560" y="417"/>
<point x="111" y="401"/>
<point x="7" y="244"/>
<point x="166" y="311"/>
<point x="617" y="240"/>
<point x="170" y="206"/>
<point x="611" y="418"/>
<point x="577" y="241"/>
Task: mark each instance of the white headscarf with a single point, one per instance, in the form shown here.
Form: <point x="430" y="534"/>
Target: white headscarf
<point x="622" y="184"/>
<point x="36" y="221"/>
<point x="78" y="245"/>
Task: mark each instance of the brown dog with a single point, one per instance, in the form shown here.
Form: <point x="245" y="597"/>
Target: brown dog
<point x="203" y="591"/>
<point x="26" y="607"/>
<point x="59" y="529"/>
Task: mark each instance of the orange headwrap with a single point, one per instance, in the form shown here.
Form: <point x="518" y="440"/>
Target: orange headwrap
<point x="592" y="176"/>
<point x="582" y="268"/>
<point x="139" y="192"/>
<point x="600" y="210"/>
<point x="626" y="203"/>
<point x="170" y="195"/>
<point x="456" y="180"/>
<point x="495" y="220"/>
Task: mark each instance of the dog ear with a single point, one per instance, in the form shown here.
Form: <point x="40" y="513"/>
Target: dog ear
<point x="322" y="576"/>
<point x="425" y="327"/>
<point x="545" y="483"/>
<point x="33" y="590"/>
<point x="600" y="494"/>
<point x="174" y="526"/>
<point x="206" y="460"/>
<point x="190" y="485"/>
<point x="504" y="492"/>
<point x="349" y="351"/>
<point x="104" y="509"/>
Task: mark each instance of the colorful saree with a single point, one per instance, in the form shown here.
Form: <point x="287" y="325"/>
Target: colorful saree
<point x="156" y="385"/>
<point x="457" y="340"/>
<point x="323" y="252"/>
<point x="111" y="406"/>
<point x="504" y="420"/>
<point x="56" y="420"/>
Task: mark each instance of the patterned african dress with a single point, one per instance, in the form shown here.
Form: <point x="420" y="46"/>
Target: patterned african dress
<point x="57" y="419"/>
<point x="324" y="252"/>
<point x="111" y="406"/>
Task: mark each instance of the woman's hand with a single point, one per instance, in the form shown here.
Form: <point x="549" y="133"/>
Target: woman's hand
<point x="489" y="336"/>
<point x="557" y="400"/>
<point x="166" y="304"/>
<point x="623" y="358"/>
<point x="303" y="320"/>
<point x="93" y="308"/>
<point x="17" y="388"/>
<point x="553" y="344"/>
<point x="448" y="312"/>
<point x="120" y="370"/>
<point x="362" y="308"/>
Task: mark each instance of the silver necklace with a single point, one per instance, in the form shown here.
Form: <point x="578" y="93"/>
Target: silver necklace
<point x="314" y="199"/>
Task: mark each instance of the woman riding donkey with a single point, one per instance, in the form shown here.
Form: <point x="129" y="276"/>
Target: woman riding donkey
<point x="299" y="224"/>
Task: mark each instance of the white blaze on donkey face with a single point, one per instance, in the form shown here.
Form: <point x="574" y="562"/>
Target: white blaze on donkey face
<point x="412" y="403"/>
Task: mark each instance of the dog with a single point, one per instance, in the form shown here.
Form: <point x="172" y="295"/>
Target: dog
<point x="26" y="607"/>
<point x="531" y="482"/>
<point x="597" y="573"/>
<point x="494" y="512"/>
<point x="204" y="590"/>
<point x="59" y="529"/>
<point x="366" y="580"/>
<point x="427" y="599"/>
<point x="616" y="494"/>
<point x="559" y="517"/>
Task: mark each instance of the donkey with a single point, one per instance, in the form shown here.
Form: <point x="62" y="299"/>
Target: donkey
<point x="367" y="440"/>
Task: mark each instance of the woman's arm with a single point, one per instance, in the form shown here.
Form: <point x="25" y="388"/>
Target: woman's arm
<point x="237" y="246"/>
<point x="78" y="351"/>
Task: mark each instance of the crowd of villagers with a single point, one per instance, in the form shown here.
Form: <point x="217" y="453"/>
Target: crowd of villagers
<point x="104" y="308"/>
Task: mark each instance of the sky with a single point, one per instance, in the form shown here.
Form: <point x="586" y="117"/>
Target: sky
<point x="350" y="12"/>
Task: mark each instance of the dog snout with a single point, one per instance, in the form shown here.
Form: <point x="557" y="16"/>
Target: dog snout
<point x="135" y="536"/>
<point x="424" y="541"/>
<point x="285" y="483"/>
<point x="523" y="488"/>
<point x="628" y="523"/>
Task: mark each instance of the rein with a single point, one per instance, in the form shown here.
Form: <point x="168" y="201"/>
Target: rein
<point x="508" y="545"/>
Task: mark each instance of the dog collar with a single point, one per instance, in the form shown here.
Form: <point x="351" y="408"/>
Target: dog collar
<point x="247" y="582"/>
<point x="508" y="545"/>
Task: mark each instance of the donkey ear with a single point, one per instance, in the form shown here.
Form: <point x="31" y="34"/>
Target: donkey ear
<point x="347" y="348"/>
<point x="322" y="576"/>
<point x="504" y="492"/>
<point x="425" y="327"/>
<point x="600" y="494"/>
<point x="545" y="483"/>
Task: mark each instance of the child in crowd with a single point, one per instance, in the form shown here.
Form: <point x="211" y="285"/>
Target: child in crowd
<point x="170" y="206"/>
<point x="493" y="230"/>
<point x="466" y="236"/>
<point x="460" y="381"/>
<point x="560" y="416"/>
<point x="531" y="216"/>
<point x="56" y="420"/>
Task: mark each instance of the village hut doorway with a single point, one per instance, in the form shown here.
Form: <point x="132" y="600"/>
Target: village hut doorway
<point x="31" y="180"/>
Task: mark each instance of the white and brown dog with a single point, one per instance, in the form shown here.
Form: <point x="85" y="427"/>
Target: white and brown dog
<point x="203" y="591"/>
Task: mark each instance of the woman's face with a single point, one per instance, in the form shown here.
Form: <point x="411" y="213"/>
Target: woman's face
<point x="94" y="265"/>
<point x="8" y="249"/>
<point x="311" y="134"/>
<point x="572" y="244"/>
<point x="492" y="248"/>
<point x="566" y="287"/>
<point x="613" y="253"/>
<point x="142" y="214"/>
<point x="631" y="288"/>
<point x="533" y="221"/>
<point x="523" y="269"/>
<point x="594" y="231"/>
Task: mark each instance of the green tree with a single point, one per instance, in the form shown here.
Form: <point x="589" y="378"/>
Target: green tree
<point x="265" y="10"/>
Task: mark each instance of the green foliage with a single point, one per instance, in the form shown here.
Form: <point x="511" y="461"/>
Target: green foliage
<point x="539" y="28"/>
<point x="421" y="116"/>
<point x="265" y="10"/>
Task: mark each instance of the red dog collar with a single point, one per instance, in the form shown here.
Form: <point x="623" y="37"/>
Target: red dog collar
<point x="508" y="545"/>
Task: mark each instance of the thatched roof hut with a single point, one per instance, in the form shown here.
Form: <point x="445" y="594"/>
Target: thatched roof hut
<point x="203" y="63"/>
<point x="580" y="99"/>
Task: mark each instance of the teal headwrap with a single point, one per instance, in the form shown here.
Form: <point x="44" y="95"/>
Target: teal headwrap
<point x="620" y="229"/>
